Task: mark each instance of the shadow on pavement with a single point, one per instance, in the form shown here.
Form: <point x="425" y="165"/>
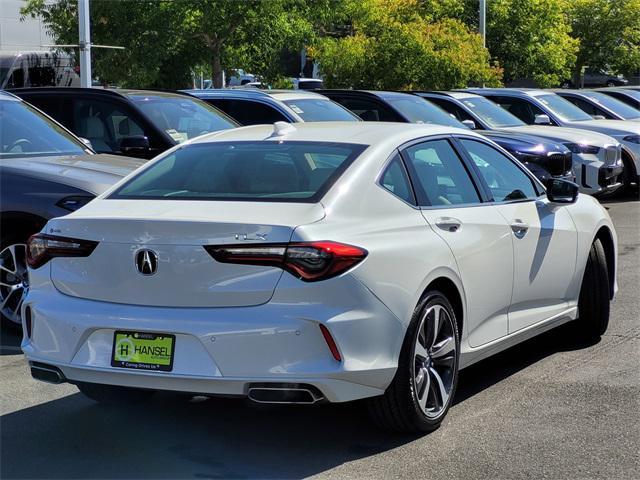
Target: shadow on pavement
<point x="176" y="437"/>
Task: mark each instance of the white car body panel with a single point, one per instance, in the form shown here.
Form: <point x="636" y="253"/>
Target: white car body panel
<point x="226" y="340"/>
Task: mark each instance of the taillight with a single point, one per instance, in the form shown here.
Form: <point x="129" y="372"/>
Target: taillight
<point x="41" y="248"/>
<point x="309" y="261"/>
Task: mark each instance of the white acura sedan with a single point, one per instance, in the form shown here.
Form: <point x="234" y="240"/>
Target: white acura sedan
<point x="316" y="262"/>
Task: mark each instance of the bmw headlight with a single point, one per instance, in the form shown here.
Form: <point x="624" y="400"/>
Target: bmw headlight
<point x="582" y="148"/>
<point x="632" y="139"/>
<point x="74" y="202"/>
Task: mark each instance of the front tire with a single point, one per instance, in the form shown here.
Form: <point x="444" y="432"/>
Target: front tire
<point x="423" y="388"/>
<point x="594" y="301"/>
<point x="113" y="394"/>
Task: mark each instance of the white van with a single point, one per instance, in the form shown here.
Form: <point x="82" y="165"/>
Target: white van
<point x="38" y="69"/>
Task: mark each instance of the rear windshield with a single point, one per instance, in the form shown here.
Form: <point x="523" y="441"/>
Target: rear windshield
<point x="244" y="171"/>
<point x="420" y="110"/>
<point x="320" y="110"/>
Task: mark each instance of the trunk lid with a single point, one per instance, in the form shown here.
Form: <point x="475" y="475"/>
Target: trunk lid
<point x="174" y="232"/>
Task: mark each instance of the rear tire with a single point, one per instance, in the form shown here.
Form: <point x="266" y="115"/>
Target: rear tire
<point x="594" y="301"/>
<point x="112" y="394"/>
<point x="14" y="279"/>
<point x="423" y="388"/>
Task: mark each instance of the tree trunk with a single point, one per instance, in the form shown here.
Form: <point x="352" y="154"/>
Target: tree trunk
<point x="216" y="66"/>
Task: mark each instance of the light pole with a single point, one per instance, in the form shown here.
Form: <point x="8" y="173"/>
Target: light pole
<point x="483" y="22"/>
<point x="84" y="43"/>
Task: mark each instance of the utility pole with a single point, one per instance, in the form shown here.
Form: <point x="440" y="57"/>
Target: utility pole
<point x="84" y="43"/>
<point x="483" y="22"/>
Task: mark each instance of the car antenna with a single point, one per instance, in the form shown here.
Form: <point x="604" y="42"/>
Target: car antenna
<point x="282" y="128"/>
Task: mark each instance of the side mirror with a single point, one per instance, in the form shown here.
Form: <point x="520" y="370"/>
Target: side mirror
<point x="469" y="124"/>
<point x="561" y="191"/>
<point x="135" y="144"/>
<point x="86" y="141"/>
<point x="542" y="119"/>
<point x="598" y="117"/>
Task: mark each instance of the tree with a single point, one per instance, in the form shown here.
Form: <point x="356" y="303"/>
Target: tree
<point x="395" y="45"/>
<point x="609" y="34"/>
<point x="531" y="40"/>
<point x="164" y="39"/>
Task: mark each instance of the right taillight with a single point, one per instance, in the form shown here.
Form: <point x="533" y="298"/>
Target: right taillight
<point x="41" y="248"/>
<point x="309" y="261"/>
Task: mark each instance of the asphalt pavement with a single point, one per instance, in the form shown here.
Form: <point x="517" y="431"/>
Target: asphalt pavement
<point x="549" y="408"/>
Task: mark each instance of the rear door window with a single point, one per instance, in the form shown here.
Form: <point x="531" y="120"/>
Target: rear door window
<point x="439" y="175"/>
<point x="248" y="112"/>
<point x="369" y="110"/>
<point x="396" y="180"/>
<point x="244" y="171"/>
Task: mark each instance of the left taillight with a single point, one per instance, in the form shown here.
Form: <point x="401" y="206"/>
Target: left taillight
<point x="308" y="261"/>
<point x="41" y="248"/>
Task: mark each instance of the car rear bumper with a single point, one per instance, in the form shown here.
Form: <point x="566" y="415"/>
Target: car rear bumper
<point x="224" y="351"/>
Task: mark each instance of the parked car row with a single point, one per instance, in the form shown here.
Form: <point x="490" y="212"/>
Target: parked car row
<point x="39" y="155"/>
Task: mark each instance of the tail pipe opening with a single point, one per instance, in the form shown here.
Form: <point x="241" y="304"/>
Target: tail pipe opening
<point x="47" y="373"/>
<point x="284" y="393"/>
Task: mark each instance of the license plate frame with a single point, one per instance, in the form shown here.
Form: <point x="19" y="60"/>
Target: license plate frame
<point x="127" y="341"/>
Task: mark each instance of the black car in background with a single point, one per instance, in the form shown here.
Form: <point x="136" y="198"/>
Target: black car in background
<point x="600" y="105"/>
<point x="598" y="77"/>
<point x="138" y="123"/>
<point x="45" y="172"/>
<point x="543" y="157"/>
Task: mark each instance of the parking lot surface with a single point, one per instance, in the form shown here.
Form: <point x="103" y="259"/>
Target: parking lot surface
<point x="549" y="408"/>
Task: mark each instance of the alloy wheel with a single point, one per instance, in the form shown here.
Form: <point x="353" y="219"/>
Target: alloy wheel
<point x="435" y="357"/>
<point x="14" y="281"/>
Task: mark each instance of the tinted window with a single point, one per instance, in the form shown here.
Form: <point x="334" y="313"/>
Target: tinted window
<point x="490" y="113"/>
<point x="563" y="109"/>
<point x="505" y="179"/>
<point x="181" y="118"/>
<point x="453" y="109"/>
<point x="26" y="133"/>
<point x="395" y="180"/>
<point x="104" y="123"/>
<point x="244" y="171"/>
<point x="440" y="177"/>
<point x="587" y="107"/>
<point x="320" y="110"/>
<point x="625" y="111"/>
<point x="247" y="112"/>
<point x="369" y="110"/>
<point x="419" y="110"/>
<point x="523" y="109"/>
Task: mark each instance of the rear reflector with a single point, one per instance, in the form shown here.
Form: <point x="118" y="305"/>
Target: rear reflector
<point x="330" y="343"/>
<point x="41" y="248"/>
<point x="308" y="261"/>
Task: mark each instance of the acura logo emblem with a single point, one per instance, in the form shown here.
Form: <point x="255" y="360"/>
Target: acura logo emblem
<point x="147" y="262"/>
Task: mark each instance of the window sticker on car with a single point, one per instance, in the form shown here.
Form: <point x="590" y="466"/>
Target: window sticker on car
<point x="177" y="136"/>
<point x="296" y="109"/>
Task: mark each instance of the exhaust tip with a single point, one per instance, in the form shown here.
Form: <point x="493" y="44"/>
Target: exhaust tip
<point x="284" y="393"/>
<point x="47" y="373"/>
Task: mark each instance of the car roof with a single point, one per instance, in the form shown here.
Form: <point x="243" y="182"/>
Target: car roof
<point x="520" y="92"/>
<point x="458" y="95"/>
<point x="382" y="94"/>
<point x="113" y="92"/>
<point x="368" y="133"/>
<point x="9" y="97"/>
<point x="281" y="95"/>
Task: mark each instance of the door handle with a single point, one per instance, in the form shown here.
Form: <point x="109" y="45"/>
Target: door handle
<point x="448" y="224"/>
<point x="519" y="228"/>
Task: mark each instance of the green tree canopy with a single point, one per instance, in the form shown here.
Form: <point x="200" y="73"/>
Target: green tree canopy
<point x="531" y="40"/>
<point x="609" y="33"/>
<point x="399" y="45"/>
<point x="164" y="39"/>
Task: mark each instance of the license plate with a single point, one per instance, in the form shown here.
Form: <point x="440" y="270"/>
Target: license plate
<point x="143" y="350"/>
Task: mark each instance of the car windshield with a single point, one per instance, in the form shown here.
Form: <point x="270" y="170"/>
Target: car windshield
<point x="320" y="110"/>
<point x="625" y="111"/>
<point x="491" y="113"/>
<point x="182" y="118"/>
<point x="244" y="171"/>
<point x="25" y="132"/>
<point x="562" y="108"/>
<point x="419" y="110"/>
